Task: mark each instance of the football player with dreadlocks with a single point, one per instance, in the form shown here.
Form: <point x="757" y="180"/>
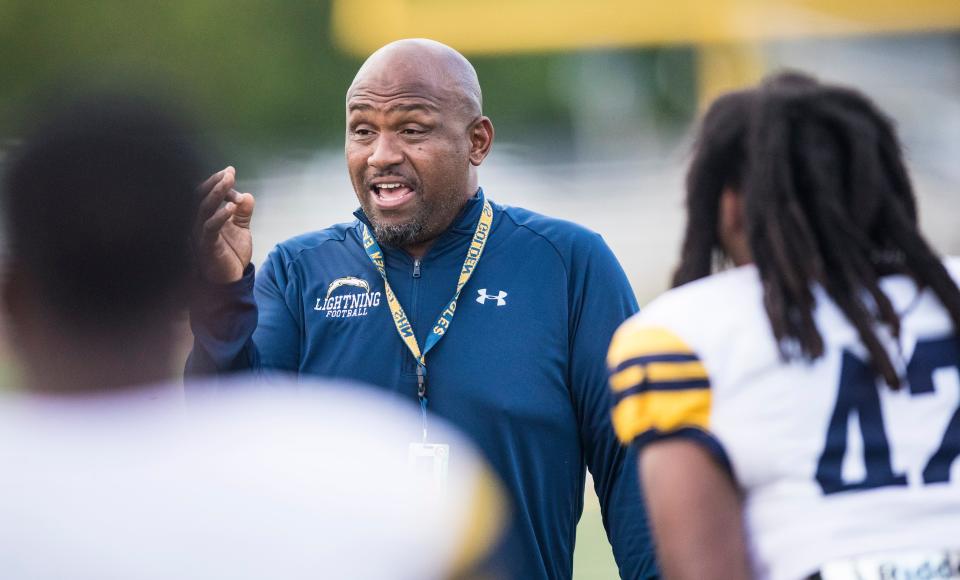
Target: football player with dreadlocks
<point x="797" y="413"/>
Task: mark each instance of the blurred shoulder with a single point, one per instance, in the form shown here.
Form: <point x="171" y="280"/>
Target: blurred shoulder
<point x="321" y="406"/>
<point x="714" y="297"/>
<point x="316" y="473"/>
<point x="693" y="315"/>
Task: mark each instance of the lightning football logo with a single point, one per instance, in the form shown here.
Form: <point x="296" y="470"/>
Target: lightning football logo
<point x="348" y="305"/>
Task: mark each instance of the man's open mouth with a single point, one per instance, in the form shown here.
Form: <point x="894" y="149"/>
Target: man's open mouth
<point x="391" y="194"/>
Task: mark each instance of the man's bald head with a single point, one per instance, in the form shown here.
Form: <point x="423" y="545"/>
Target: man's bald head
<point x="415" y="137"/>
<point x="419" y="64"/>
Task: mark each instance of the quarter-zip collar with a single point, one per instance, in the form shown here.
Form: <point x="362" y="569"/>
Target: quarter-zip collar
<point x="462" y="226"/>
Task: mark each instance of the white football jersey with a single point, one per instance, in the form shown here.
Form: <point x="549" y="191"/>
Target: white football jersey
<point x="242" y="485"/>
<point x="832" y="462"/>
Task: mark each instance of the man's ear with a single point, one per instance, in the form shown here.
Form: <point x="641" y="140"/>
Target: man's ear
<point x="481" y="140"/>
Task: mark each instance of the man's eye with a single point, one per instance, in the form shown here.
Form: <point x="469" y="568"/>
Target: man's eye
<point x="412" y="131"/>
<point x="362" y="132"/>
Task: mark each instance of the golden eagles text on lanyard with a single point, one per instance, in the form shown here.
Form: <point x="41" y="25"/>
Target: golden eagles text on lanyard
<point x="400" y="319"/>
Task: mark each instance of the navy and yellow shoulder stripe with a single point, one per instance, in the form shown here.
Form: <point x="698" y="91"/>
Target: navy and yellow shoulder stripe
<point x="659" y="384"/>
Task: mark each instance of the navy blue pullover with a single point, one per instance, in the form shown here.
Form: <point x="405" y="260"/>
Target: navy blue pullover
<point x="521" y="373"/>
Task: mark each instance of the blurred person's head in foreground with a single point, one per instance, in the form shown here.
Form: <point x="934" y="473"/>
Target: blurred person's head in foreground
<point x="807" y="181"/>
<point x="99" y="203"/>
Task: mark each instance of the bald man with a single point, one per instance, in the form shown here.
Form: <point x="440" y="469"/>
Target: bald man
<point x="493" y="317"/>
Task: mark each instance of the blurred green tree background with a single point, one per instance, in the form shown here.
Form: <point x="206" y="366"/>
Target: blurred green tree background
<point x="265" y="75"/>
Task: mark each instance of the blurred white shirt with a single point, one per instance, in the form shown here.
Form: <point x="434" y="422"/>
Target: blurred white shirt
<point x="306" y="482"/>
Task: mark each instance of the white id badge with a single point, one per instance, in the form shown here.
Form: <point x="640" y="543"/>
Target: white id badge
<point x="430" y="462"/>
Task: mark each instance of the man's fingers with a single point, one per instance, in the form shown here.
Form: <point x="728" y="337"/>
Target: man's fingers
<point x="212" y="227"/>
<point x="204" y="187"/>
<point x="212" y="201"/>
<point x="244" y="211"/>
<point x="213" y="179"/>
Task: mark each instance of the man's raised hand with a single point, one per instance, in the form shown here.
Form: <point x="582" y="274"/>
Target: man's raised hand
<point x="223" y="239"/>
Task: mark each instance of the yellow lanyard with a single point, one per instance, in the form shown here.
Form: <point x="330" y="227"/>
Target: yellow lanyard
<point x="400" y="320"/>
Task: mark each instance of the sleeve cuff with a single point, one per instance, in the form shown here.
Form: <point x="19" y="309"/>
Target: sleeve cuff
<point x="223" y="314"/>
<point x="244" y="284"/>
<point x="699" y="436"/>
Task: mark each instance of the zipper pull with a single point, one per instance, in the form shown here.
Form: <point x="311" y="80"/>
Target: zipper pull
<point x="416" y="268"/>
<point x="421" y="382"/>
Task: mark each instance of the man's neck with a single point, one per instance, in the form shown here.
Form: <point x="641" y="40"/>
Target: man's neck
<point x="419" y="249"/>
<point x="86" y="366"/>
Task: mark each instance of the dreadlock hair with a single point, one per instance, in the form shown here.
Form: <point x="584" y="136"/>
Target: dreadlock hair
<point x="827" y="200"/>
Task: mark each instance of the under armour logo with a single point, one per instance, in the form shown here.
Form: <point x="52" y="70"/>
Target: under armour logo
<point x="482" y="299"/>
